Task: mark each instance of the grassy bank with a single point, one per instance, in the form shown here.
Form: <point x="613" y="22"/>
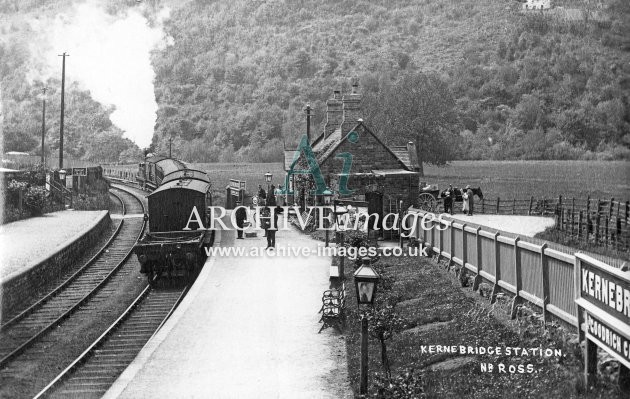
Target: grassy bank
<point x="437" y="311"/>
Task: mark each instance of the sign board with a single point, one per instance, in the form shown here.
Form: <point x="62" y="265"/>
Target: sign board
<point x="242" y="185"/>
<point x="79" y="171"/>
<point x="48" y="177"/>
<point x="68" y="182"/>
<point x="603" y="299"/>
<point x="235" y="184"/>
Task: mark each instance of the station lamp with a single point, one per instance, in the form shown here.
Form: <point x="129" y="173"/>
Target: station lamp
<point x="62" y="174"/>
<point x="365" y="282"/>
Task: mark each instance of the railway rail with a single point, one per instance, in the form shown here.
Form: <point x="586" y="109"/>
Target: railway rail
<point x="94" y="371"/>
<point x="31" y="333"/>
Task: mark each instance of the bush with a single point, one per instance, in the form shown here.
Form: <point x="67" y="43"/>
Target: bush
<point x="35" y="199"/>
<point x="406" y="385"/>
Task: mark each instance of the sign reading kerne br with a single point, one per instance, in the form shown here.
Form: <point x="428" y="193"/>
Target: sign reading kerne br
<point x="603" y="299"/>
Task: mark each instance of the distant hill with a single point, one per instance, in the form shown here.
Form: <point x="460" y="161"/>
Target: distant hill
<point x="529" y="85"/>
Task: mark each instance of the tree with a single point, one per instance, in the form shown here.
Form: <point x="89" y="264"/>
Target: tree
<point x="383" y="324"/>
<point x="417" y="107"/>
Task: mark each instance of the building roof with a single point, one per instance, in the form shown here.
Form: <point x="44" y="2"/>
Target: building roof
<point x="325" y="147"/>
<point x="409" y="158"/>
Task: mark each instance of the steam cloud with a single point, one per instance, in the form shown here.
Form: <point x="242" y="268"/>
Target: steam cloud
<point x="110" y="57"/>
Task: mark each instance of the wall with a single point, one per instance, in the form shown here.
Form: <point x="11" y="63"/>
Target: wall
<point x="16" y="290"/>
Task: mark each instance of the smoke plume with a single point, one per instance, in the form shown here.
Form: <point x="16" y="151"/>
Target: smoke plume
<point x="109" y="56"/>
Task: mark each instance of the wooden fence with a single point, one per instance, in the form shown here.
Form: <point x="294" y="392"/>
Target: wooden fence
<point x="594" y="221"/>
<point x="532" y="271"/>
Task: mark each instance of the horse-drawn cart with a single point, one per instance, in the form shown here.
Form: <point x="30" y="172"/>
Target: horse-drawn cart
<point x="428" y="197"/>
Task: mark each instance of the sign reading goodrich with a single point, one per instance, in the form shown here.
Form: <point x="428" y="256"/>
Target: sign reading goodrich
<point x="603" y="300"/>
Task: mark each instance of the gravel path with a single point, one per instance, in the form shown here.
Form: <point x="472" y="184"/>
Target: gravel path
<point x="26" y="242"/>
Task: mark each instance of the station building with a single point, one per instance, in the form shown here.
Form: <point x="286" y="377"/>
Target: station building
<point x="348" y="149"/>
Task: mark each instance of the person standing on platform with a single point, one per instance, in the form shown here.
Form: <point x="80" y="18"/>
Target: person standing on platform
<point x="261" y="193"/>
<point x="271" y="231"/>
<point x="471" y="200"/>
<point x="465" y="201"/>
<point x="241" y="216"/>
<point x="448" y="199"/>
<point x="265" y="222"/>
<point x="271" y="197"/>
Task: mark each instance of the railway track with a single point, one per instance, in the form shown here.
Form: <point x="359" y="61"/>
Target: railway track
<point x="25" y="328"/>
<point x="94" y="371"/>
<point x="38" y="332"/>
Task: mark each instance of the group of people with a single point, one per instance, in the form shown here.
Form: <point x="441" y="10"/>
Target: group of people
<point x="269" y="202"/>
<point x="468" y="201"/>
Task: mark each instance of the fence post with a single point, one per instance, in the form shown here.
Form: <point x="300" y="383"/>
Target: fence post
<point x="627" y="207"/>
<point x="606" y="231"/>
<point x="545" y="281"/>
<point x="479" y="267"/>
<point x="514" y="206"/>
<point x="588" y="204"/>
<point x="531" y="201"/>
<point x="483" y="206"/>
<point x="441" y="236"/>
<point x="517" y="277"/>
<point x="462" y="272"/>
<point x="498" y="201"/>
<point x="497" y="268"/>
<point x="452" y="247"/>
<point x="579" y="233"/>
<point x="597" y="220"/>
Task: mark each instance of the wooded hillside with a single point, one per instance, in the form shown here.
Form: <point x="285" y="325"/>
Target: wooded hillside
<point x="540" y="85"/>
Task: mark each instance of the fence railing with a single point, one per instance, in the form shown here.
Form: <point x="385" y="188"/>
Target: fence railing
<point x="594" y="221"/>
<point x="532" y="271"/>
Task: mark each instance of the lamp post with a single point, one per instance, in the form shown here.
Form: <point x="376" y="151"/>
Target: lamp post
<point x="43" y="124"/>
<point x="327" y="194"/>
<point x="339" y="236"/>
<point x="365" y="282"/>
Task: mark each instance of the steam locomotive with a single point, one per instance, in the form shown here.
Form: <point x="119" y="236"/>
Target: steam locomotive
<point x="166" y="249"/>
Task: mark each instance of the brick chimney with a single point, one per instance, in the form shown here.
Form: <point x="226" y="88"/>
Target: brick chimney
<point x="334" y="113"/>
<point x="351" y="109"/>
<point x="413" y="155"/>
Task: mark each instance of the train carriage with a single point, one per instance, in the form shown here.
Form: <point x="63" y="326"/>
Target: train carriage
<point x="167" y="248"/>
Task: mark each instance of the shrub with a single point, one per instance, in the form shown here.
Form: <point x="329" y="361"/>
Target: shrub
<point x="35" y="199"/>
<point x="405" y="385"/>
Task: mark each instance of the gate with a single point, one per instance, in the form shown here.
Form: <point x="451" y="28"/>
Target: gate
<point x="375" y="206"/>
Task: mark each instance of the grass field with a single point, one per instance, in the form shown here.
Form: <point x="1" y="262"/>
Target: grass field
<point x="505" y="179"/>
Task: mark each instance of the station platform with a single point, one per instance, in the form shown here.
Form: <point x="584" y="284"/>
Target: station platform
<point x="25" y="243"/>
<point x="248" y="328"/>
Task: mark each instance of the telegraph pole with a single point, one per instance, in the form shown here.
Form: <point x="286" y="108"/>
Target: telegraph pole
<point x="43" y="122"/>
<point x="308" y="123"/>
<point x="170" y="141"/>
<point x="63" y="86"/>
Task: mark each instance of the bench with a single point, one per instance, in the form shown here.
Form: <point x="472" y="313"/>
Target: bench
<point x="332" y="310"/>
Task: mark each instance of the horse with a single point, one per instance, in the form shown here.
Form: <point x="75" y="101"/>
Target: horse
<point x="457" y="193"/>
